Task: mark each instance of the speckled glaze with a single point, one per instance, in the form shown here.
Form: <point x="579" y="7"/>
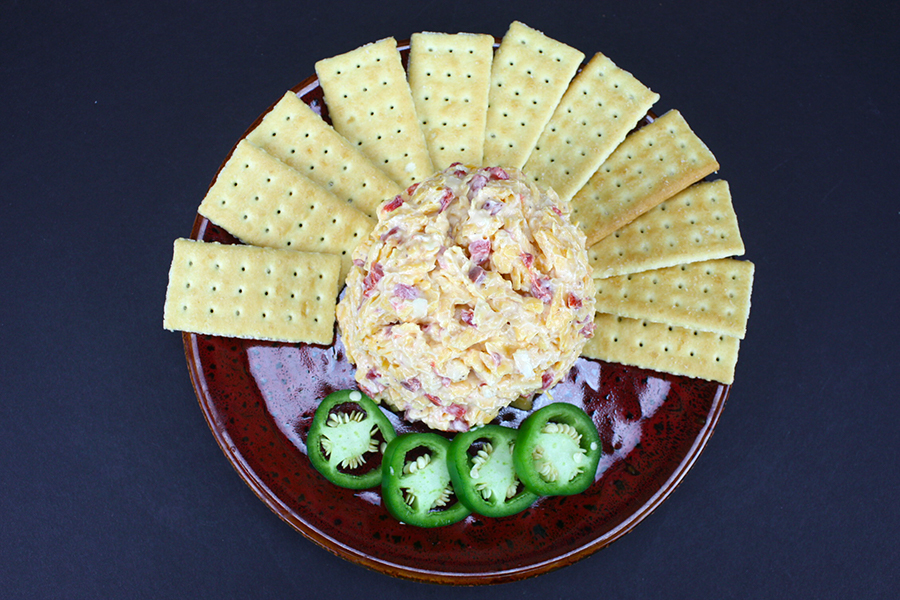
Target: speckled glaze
<point x="259" y="398"/>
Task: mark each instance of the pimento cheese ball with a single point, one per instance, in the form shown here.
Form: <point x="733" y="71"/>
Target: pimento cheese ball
<point x="473" y="290"/>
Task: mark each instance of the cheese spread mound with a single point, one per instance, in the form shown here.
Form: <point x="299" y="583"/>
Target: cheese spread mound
<point x="473" y="290"/>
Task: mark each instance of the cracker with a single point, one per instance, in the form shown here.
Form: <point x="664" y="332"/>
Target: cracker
<point x="529" y="75"/>
<point x="296" y="135"/>
<point x="708" y="296"/>
<point x="697" y="224"/>
<point x="450" y="77"/>
<point x="664" y="348"/>
<point x="654" y="163"/>
<point x="370" y="104"/>
<point x="603" y="103"/>
<point x="249" y="292"/>
<point x="262" y="201"/>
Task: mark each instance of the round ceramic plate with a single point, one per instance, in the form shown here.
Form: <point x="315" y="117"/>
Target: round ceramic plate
<point x="259" y="398"/>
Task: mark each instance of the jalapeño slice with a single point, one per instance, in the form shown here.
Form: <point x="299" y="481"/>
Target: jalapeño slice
<point x="416" y="486"/>
<point x="484" y="477"/>
<point x="347" y="438"/>
<point x="557" y="451"/>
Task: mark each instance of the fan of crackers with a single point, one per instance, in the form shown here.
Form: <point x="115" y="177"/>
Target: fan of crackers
<point x="301" y="194"/>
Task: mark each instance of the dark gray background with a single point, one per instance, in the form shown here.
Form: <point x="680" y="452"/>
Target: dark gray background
<point x="116" y="117"/>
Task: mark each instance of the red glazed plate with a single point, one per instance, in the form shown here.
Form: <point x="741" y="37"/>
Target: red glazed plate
<point x="259" y="398"/>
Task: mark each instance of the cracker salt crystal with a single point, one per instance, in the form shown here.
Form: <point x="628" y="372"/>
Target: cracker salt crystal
<point x="249" y="292"/>
<point x="370" y="104"/>
<point x="264" y="202"/>
<point x="652" y="164"/>
<point x="449" y="77"/>
<point x="297" y="136"/>
<point x="711" y="296"/>
<point x="602" y="104"/>
<point x="663" y="348"/>
<point x="529" y="75"/>
<point x="696" y="224"/>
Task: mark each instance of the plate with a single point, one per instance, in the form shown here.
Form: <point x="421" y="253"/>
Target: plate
<point x="259" y="398"/>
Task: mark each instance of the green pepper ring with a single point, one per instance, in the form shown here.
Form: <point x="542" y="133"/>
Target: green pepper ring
<point x="318" y="429"/>
<point x="530" y="437"/>
<point x="460" y="465"/>
<point x="394" y="478"/>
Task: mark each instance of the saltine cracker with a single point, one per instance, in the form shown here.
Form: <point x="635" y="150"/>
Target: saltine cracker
<point x="529" y="75"/>
<point x="711" y="296"/>
<point x="296" y="135"/>
<point x="264" y="202"/>
<point x="450" y="77"/>
<point x="696" y="224"/>
<point x="370" y="104"/>
<point x="249" y="292"/>
<point x="652" y="164"/>
<point x="665" y="348"/>
<point x="602" y="104"/>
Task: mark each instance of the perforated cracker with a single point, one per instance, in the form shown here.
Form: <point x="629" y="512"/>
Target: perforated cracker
<point x="449" y="77"/>
<point x="664" y="348"/>
<point x="249" y="292"/>
<point x="602" y="104"/>
<point x="697" y="224"/>
<point x="707" y="296"/>
<point x="529" y="75"/>
<point x="370" y="104"/>
<point x="264" y="202"/>
<point x="654" y="163"/>
<point x="299" y="137"/>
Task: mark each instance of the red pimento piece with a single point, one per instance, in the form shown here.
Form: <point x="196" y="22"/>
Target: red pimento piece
<point x="588" y="330"/>
<point x="392" y="232"/>
<point x="475" y="184"/>
<point x="476" y="274"/>
<point x="376" y="386"/>
<point x="372" y="278"/>
<point x="467" y="316"/>
<point x="457" y="410"/>
<point x="546" y="380"/>
<point x="446" y="198"/>
<point x="528" y="259"/>
<point x="498" y="173"/>
<point x="479" y="251"/>
<point x="573" y="301"/>
<point x="433" y="399"/>
<point x="411" y="189"/>
<point x="393" y="204"/>
<point x="412" y="385"/>
<point x="540" y="289"/>
<point x="557" y="210"/>
<point x="406" y="292"/>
